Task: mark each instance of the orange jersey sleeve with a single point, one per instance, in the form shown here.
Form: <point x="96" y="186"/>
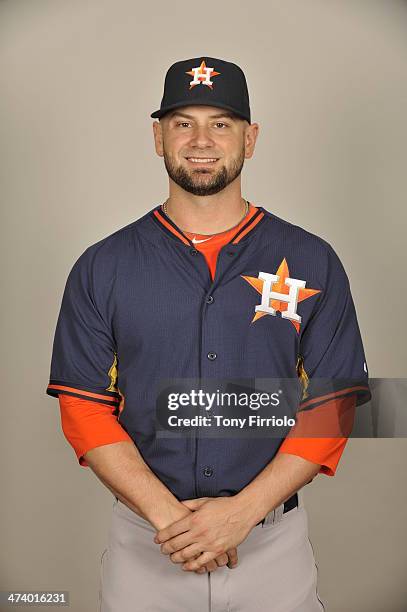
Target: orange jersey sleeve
<point x="87" y="424"/>
<point x="335" y="417"/>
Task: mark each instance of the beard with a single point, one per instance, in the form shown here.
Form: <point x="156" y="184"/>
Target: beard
<point x="204" y="182"/>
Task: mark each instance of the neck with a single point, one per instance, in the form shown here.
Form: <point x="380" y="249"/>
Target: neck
<point x="206" y="215"/>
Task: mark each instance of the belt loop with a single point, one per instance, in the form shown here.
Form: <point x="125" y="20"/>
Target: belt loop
<point x="269" y="518"/>
<point x="278" y="513"/>
<point x="300" y="494"/>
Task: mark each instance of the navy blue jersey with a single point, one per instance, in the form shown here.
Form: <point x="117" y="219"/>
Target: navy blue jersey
<point x="140" y="306"/>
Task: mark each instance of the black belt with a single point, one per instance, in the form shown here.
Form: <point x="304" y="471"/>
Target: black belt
<point x="292" y="502"/>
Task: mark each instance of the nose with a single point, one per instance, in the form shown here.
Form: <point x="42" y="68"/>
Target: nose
<point x="201" y="137"/>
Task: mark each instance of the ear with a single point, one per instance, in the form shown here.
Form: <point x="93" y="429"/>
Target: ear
<point x="250" y="137"/>
<point x="158" y="138"/>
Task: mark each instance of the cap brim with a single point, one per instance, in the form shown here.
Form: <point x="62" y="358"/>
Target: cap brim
<point x="162" y="111"/>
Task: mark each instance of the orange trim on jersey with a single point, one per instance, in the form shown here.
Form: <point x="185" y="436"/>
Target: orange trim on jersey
<point x="87" y="425"/>
<point x="170" y="227"/>
<point x="326" y="452"/>
<point x="211" y="245"/>
<point x="109" y="398"/>
<point x="249" y="228"/>
<point x="329" y="396"/>
<point x="224" y="236"/>
<point x="332" y="419"/>
<point x="336" y="418"/>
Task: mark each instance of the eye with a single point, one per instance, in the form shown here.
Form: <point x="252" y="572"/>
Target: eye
<point x="182" y="123"/>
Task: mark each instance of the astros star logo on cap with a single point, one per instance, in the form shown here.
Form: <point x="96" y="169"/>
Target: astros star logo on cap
<point x="202" y="75"/>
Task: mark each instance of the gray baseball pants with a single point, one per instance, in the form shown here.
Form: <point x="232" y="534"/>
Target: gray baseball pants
<point x="276" y="571"/>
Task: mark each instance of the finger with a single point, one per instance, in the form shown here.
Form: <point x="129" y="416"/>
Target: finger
<point x="222" y="560"/>
<point x="172" y="530"/>
<point x="195" y="504"/>
<point x="187" y="554"/>
<point x="233" y="560"/>
<point x="211" y="566"/>
<point x="202" y="560"/>
<point x="175" y="544"/>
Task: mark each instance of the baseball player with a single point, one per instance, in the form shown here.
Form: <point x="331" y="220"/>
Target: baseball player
<point x="206" y="286"/>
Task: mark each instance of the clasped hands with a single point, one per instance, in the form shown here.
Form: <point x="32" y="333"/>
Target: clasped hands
<point x="208" y="536"/>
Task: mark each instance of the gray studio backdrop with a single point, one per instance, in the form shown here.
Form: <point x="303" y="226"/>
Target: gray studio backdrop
<point x="79" y="80"/>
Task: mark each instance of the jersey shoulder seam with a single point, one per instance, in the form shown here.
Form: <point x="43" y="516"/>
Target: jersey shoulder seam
<point x="324" y="243"/>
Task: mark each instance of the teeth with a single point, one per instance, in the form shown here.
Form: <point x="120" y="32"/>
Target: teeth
<point x="202" y="159"/>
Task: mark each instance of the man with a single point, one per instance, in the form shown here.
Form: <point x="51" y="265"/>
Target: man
<point x="206" y="286"/>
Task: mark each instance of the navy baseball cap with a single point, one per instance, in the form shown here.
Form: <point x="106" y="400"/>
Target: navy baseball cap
<point x="205" y="81"/>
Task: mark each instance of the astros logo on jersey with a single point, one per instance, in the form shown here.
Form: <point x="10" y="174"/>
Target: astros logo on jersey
<point x="202" y="75"/>
<point x="280" y="293"/>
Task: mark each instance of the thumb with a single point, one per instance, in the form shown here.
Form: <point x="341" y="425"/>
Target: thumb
<point x="195" y="504"/>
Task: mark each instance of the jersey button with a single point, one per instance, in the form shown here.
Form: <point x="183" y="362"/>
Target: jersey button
<point x="193" y="252"/>
<point x="208" y="471"/>
<point x="212" y="356"/>
<point x="209" y="299"/>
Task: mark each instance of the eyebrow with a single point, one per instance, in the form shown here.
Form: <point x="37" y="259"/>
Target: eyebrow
<point x="216" y="116"/>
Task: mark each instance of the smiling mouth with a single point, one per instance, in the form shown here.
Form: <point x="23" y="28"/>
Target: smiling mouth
<point x="202" y="161"/>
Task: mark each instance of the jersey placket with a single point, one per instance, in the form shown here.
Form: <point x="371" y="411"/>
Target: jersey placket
<point x="211" y="357"/>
